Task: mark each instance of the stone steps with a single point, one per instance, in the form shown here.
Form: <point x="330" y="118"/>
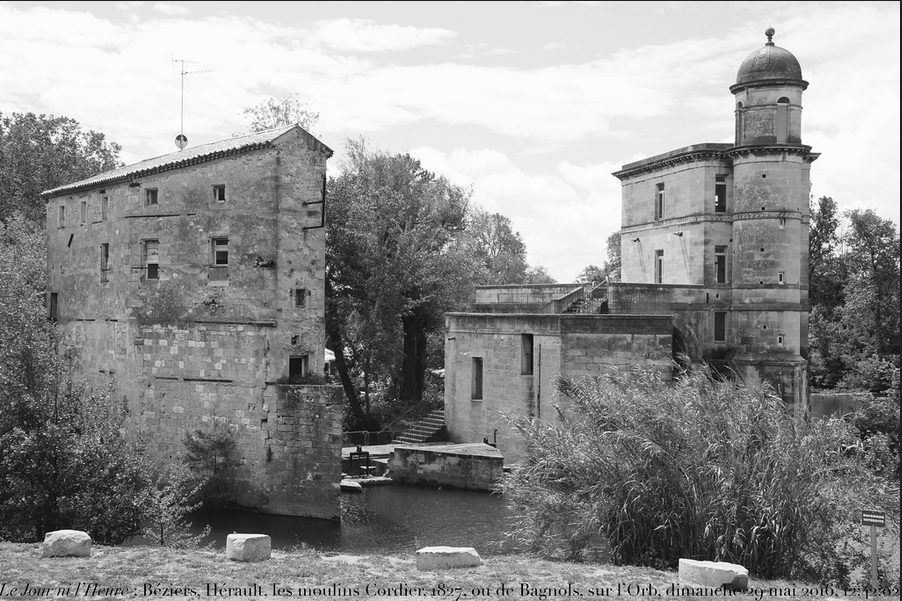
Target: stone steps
<point x="425" y="429"/>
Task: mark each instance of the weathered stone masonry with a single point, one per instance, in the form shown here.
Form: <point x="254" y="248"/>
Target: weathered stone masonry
<point x="195" y="282"/>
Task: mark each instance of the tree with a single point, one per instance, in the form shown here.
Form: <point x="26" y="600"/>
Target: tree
<point x="825" y="267"/>
<point x="40" y="152"/>
<point x="537" y="275"/>
<point x="281" y="112"/>
<point x="610" y="271"/>
<point x="395" y="261"/>
<point x="498" y="250"/>
<point x="63" y="459"/>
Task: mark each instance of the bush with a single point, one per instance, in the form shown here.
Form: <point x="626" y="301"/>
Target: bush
<point x="168" y="504"/>
<point x="697" y="468"/>
<point x="211" y="458"/>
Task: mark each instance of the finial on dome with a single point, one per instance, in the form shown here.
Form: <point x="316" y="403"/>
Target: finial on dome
<point x="769" y="32"/>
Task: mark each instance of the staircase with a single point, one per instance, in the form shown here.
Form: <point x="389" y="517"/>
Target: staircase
<point x="586" y="304"/>
<point x="424" y="430"/>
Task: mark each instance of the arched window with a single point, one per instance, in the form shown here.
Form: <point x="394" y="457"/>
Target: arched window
<point x="783" y="100"/>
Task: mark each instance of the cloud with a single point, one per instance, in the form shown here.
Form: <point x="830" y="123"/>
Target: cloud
<point x="564" y="216"/>
<point x="173" y="10"/>
<point x="363" y="35"/>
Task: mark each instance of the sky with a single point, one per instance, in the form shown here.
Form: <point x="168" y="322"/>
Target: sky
<point x="533" y="104"/>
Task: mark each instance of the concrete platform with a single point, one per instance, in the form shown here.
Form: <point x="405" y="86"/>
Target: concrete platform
<point x="475" y="466"/>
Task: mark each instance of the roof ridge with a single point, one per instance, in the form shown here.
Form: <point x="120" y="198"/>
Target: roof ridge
<point x="182" y="158"/>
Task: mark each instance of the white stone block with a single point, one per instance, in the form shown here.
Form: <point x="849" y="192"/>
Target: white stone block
<point x="67" y="543"/>
<point x="248" y="547"/>
<point x="714" y="574"/>
<point x="444" y="558"/>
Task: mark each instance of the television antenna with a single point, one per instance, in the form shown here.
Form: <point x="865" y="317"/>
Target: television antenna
<point x="181" y="141"/>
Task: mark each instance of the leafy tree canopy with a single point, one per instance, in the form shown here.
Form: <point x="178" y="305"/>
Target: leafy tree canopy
<point x="40" y="152"/>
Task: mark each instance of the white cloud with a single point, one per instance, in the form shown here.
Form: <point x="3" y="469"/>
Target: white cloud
<point x="363" y="35"/>
<point x="173" y="10"/>
<point x="563" y="216"/>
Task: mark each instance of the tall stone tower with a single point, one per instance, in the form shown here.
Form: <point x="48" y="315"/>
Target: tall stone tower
<point x="770" y="221"/>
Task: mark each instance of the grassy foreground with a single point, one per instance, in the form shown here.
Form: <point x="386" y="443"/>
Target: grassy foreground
<point x="151" y="572"/>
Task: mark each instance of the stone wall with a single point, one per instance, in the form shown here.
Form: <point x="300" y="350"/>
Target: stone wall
<point x="472" y="466"/>
<point x="572" y="346"/>
<point x="206" y="346"/>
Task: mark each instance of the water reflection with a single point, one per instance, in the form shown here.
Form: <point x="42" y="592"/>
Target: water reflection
<point x="384" y="519"/>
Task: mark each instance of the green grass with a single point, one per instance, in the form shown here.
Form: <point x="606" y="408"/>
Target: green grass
<point x="368" y="577"/>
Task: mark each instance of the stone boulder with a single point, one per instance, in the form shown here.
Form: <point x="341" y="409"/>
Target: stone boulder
<point x="714" y="574"/>
<point x="443" y="558"/>
<point x="248" y="547"/>
<point x="66" y="543"/>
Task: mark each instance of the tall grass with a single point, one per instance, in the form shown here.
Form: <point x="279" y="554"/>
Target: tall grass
<point x="652" y="470"/>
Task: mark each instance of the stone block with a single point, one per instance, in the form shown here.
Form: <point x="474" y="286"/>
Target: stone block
<point x="67" y="543"/>
<point x="714" y="574"/>
<point x="248" y="547"/>
<point x="444" y="558"/>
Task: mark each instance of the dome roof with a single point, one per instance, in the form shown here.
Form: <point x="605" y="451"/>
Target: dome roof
<point x="769" y="63"/>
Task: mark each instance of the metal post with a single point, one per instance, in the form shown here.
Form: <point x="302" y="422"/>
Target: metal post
<point x="874" y="581"/>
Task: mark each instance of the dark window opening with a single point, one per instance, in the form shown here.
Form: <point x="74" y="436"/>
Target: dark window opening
<point x="720" y="326"/>
<point x="220" y="252"/>
<point x="298" y="366"/>
<point x="659" y="202"/>
<point x="780" y="340"/>
<point x="526" y="353"/>
<point x="720" y="194"/>
<point x="53" y="312"/>
<point x="104" y="262"/>
<point x="152" y="259"/>
<point x="219" y="193"/>
<point x="780" y="277"/>
<point x="659" y="267"/>
<point x="782" y="224"/>
<point x="83" y="212"/>
<point x="150" y="197"/>
<point x="720" y="264"/>
<point x="783" y="100"/>
<point x="104" y="207"/>
<point x="300" y="297"/>
<point x="61" y="216"/>
<point x="476" y="383"/>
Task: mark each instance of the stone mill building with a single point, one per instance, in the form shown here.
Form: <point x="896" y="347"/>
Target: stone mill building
<point x="194" y="283"/>
<point x="714" y="244"/>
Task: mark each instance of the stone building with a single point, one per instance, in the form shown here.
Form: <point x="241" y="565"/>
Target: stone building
<point x="714" y="245"/>
<point x="194" y="283"/>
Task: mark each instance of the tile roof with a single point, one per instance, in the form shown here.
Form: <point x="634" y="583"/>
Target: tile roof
<point x="182" y="158"/>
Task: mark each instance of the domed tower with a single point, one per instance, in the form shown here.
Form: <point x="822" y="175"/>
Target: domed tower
<point x="769" y="312"/>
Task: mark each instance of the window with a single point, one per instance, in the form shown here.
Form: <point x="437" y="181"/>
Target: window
<point x="53" y="310"/>
<point x="659" y="267"/>
<point x="720" y="194"/>
<point x="219" y="193"/>
<point x="152" y="259"/>
<point x="83" y="212"/>
<point x="300" y="297"/>
<point x="781" y="119"/>
<point x="782" y="223"/>
<point x="526" y="347"/>
<point x="104" y="262"/>
<point x="659" y="202"/>
<point x="150" y="197"/>
<point x="781" y="277"/>
<point x="720" y="326"/>
<point x="61" y="216"/>
<point x="104" y="207"/>
<point x="220" y="252"/>
<point x="298" y="366"/>
<point x="780" y="340"/>
<point x="476" y="382"/>
<point x="720" y="264"/>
